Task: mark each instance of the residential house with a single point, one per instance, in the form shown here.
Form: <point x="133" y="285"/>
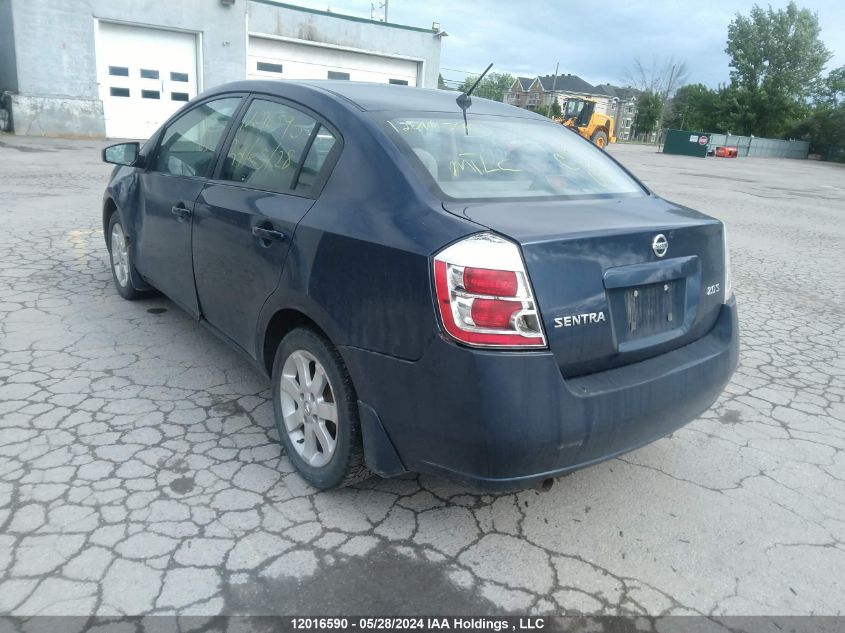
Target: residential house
<point x="539" y="92"/>
<point x="520" y="90"/>
<point x="625" y="108"/>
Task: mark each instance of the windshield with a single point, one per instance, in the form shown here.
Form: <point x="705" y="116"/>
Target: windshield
<point x="507" y="157"/>
<point x="573" y="108"/>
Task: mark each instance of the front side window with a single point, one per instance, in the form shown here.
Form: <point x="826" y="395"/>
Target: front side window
<point x="269" y="146"/>
<point x="188" y="144"/>
<point x="507" y="157"/>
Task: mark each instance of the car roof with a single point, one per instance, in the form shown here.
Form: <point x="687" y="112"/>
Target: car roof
<point x="375" y="97"/>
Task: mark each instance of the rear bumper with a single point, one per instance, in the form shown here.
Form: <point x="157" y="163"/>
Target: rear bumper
<point x="502" y="420"/>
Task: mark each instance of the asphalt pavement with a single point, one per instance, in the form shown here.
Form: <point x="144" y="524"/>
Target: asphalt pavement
<point x="140" y="471"/>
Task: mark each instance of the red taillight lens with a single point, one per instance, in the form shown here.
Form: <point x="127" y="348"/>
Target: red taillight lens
<point x="492" y="313"/>
<point x="484" y="296"/>
<point x="497" y="283"/>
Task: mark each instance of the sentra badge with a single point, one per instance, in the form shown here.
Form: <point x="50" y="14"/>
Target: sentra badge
<point x="585" y="318"/>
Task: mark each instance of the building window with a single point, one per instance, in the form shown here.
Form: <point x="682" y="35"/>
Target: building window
<point x="399" y="82"/>
<point x="178" y="96"/>
<point x="267" y="67"/>
<point x="146" y="73"/>
<point x="179" y="77"/>
<point x="119" y="71"/>
<point x="119" y="92"/>
<point x="338" y="75"/>
<point x="150" y="94"/>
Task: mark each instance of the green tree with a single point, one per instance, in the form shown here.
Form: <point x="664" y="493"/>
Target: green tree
<point x="825" y="129"/>
<point x="824" y="125"/>
<point x="694" y="107"/>
<point x="649" y="107"/>
<point x="552" y="110"/>
<point x="776" y="63"/>
<point x="833" y="87"/>
<point x="493" y="86"/>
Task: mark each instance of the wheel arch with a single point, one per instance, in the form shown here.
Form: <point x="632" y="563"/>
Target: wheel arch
<point x="282" y="322"/>
<point x="109" y="208"/>
<point x="380" y="454"/>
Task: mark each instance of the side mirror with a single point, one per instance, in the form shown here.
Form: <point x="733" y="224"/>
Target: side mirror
<point x="121" y="153"/>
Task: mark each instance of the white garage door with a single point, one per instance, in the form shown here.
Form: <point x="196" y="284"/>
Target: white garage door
<point x="270" y="58"/>
<point x="144" y="75"/>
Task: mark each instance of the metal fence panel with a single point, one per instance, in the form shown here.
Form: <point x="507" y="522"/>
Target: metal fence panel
<point x="755" y="146"/>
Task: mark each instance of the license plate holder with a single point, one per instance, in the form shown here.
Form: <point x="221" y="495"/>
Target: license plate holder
<point x="653" y="308"/>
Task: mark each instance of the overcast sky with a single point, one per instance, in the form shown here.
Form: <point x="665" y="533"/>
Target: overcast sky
<point x="592" y="39"/>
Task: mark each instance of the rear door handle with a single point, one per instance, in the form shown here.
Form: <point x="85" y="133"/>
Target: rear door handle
<point x="268" y="234"/>
<point x="180" y="212"/>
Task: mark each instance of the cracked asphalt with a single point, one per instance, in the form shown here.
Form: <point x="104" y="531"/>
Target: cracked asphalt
<point x="140" y="471"/>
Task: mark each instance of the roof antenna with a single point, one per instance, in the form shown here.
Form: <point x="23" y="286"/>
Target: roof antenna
<point x="465" y="101"/>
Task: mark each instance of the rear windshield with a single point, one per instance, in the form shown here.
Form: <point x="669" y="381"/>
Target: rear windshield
<point x="505" y="157"/>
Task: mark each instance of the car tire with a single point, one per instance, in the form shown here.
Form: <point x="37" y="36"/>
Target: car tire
<point x="599" y="138"/>
<point x="120" y="258"/>
<point x="310" y="387"/>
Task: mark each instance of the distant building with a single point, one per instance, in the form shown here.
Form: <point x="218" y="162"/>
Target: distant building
<point x="538" y="93"/>
<point x="119" y="68"/>
<point x="521" y="91"/>
<point x="625" y="108"/>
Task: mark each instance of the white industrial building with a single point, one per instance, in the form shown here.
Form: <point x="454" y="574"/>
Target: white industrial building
<point x="119" y="68"/>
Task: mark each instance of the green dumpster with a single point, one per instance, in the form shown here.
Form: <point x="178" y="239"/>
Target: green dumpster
<point x="686" y="143"/>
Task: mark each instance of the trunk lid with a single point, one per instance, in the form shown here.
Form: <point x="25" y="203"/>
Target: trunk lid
<point x="605" y="297"/>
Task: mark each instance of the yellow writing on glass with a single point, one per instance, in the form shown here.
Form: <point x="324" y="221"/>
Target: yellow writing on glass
<point x="257" y="159"/>
<point x="280" y="125"/>
<point x="267" y="131"/>
<point x="477" y="163"/>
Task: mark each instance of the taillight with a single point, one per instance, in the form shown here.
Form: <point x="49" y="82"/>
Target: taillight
<point x="483" y="281"/>
<point x="484" y="296"/>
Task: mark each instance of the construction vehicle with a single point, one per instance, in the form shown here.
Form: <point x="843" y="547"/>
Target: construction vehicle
<point x="581" y="114"/>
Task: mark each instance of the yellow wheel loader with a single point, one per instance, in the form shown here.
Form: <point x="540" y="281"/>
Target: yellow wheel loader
<point x="581" y="114"/>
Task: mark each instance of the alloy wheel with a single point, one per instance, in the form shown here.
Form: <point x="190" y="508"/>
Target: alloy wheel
<point x="119" y="255"/>
<point x="309" y="408"/>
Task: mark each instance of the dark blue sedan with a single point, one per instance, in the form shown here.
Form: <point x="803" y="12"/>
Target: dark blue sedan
<point x="491" y="299"/>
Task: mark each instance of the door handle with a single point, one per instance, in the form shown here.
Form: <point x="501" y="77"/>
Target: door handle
<point x="268" y="234"/>
<point x="180" y="212"/>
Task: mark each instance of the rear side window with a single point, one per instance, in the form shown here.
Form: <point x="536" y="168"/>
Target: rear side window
<point x="321" y="149"/>
<point x="269" y="146"/>
<point x="507" y="157"/>
<point x="188" y="144"/>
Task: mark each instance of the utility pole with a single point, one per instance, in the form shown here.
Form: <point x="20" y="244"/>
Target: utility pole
<point x="554" y="87"/>
<point x="374" y="7"/>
